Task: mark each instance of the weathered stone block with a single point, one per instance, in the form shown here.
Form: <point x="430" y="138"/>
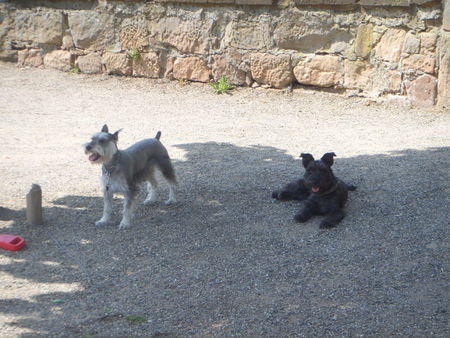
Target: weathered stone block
<point x="228" y="65"/>
<point x="224" y="2"/>
<point x="422" y="91"/>
<point x="248" y="35"/>
<point x="444" y="71"/>
<point x="8" y="55"/>
<point x="253" y="2"/>
<point x="6" y="23"/>
<point x="67" y="42"/>
<point x="38" y="26"/>
<point x="134" y="33"/>
<point x="384" y="2"/>
<point x="401" y="3"/>
<point x="191" y="68"/>
<point x="385" y="80"/>
<point x="358" y="75"/>
<point x="59" y="59"/>
<point x="411" y="44"/>
<point x="30" y="58"/>
<point x="310" y="33"/>
<point x="319" y="70"/>
<point x="428" y="42"/>
<point x="186" y="35"/>
<point x="421" y="2"/>
<point x="423" y="63"/>
<point x="186" y="1"/>
<point x="364" y="40"/>
<point x="446" y="16"/>
<point x="92" y="30"/>
<point x="168" y="71"/>
<point x="89" y="64"/>
<point x="117" y="63"/>
<point x="428" y="13"/>
<point x="274" y="70"/>
<point x="326" y="2"/>
<point x="147" y="65"/>
<point x="394" y="78"/>
<point x="390" y="46"/>
<point x="305" y="38"/>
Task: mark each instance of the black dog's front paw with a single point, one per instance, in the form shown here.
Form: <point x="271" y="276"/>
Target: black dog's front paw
<point x="326" y="224"/>
<point x="282" y="195"/>
<point x="285" y="195"/>
<point x="332" y="220"/>
<point x="302" y="217"/>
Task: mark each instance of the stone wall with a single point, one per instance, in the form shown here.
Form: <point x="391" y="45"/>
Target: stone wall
<point x="396" y="49"/>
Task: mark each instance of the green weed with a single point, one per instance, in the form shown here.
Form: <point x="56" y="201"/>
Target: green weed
<point x="74" y="70"/>
<point x="222" y="86"/>
<point x="134" y="53"/>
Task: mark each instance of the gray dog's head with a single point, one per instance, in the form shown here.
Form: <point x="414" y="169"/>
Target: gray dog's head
<point x="102" y="147"/>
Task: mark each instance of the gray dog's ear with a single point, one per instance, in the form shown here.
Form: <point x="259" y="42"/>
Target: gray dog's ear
<point x="306" y="159"/>
<point x="105" y="129"/>
<point x="116" y="135"/>
<point x="328" y="159"/>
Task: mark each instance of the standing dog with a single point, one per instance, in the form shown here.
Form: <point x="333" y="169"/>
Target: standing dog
<point x="123" y="170"/>
<point x="324" y="193"/>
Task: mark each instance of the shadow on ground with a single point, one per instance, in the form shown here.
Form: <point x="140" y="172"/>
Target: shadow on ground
<point x="229" y="260"/>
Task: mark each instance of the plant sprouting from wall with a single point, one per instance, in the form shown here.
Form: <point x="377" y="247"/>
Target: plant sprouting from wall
<point x="222" y="86"/>
<point x="74" y="70"/>
<point x="134" y="53"/>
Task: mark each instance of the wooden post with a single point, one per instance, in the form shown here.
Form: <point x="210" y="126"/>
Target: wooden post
<point x="34" y="205"/>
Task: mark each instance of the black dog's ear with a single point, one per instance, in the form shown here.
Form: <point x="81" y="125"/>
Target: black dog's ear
<point x="116" y="135"/>
<point x="306" y="159"/>
<point x="328" y="159"/>
<point x="105" y="129"/>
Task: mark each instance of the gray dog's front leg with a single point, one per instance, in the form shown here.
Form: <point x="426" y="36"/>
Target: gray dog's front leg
<point x="107" y="209"/>
<point x="128" y="206"/>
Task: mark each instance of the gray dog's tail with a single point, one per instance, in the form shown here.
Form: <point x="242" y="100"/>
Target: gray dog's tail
<point x="158" y="135"/>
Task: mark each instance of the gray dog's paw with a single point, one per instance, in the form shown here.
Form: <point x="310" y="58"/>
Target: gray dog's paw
<point x="124" y="224"/>
<point x="102" y="223"/>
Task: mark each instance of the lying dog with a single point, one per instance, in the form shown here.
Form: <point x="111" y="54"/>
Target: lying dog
<point x="324" y="193"/>
<point x="123" y="170"/>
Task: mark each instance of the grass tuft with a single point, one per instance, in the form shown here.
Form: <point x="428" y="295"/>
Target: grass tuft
<point x="74" y="70"/>
<point x="222" y="86"/>
<point x="134" y="53"/>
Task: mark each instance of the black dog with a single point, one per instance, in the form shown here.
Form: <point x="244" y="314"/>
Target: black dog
<point x="324" y="193"/>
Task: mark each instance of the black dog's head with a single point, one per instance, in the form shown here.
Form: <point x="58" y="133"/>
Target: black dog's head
<point x="318" y="177"/>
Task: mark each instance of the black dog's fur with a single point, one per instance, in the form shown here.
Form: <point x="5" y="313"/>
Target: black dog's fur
<point x="324" y="193"/>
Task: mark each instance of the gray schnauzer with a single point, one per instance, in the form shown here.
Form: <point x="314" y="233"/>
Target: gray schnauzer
<point x="123" y="170"/>
<point x="324" y="193"/>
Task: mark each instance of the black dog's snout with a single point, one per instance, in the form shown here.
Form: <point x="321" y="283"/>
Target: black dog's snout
<point x="88" y="147"/>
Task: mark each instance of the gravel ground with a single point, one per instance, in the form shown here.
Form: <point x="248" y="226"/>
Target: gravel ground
<point x="227" y="260"/>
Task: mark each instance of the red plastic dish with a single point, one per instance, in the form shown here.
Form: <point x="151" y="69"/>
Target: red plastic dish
<point x="11" y="242"/>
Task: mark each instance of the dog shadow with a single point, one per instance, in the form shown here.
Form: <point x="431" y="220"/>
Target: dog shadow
<point x="227" y="248"/>
<point x="7" y="214"/>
